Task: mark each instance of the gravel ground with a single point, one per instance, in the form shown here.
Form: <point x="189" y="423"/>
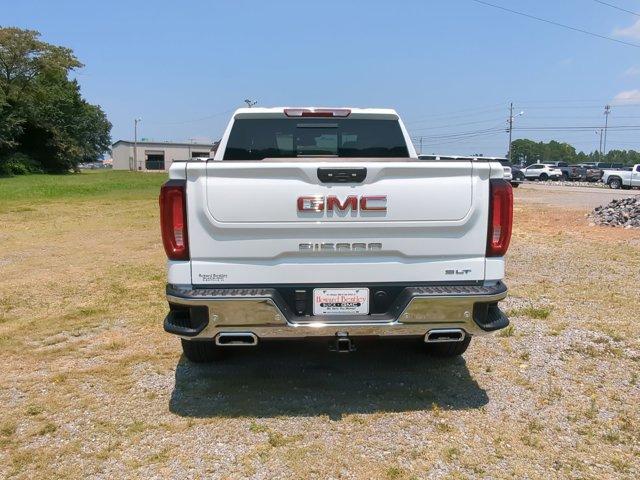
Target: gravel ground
<point x="91" y="387"/>
<point x="556" y="194"/>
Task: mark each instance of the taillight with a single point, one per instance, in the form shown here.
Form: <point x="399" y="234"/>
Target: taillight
<point x="317" y="112"/>
<point x="173" y="219"/>
<point x="500" y="217"/>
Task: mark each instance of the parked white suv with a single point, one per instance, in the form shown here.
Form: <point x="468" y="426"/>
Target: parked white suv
<point x="323" y="223"/>
<point x="540" y="171"/>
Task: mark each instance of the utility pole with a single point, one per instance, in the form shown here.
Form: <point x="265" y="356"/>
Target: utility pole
<point x="510" y="128"/>
<point x="135" y="142"/>
<point x="250" y="103"/>
<point x="600" y="149"/>
<point x="607" y="111"/>
<point x="420" y="145"/>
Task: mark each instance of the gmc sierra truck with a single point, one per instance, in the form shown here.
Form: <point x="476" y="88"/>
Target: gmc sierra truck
<point x="622" y="178"/>
<point x="324" y="223"/>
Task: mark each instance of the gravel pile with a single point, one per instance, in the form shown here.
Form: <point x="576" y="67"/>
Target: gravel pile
<point x="622" y="212"/>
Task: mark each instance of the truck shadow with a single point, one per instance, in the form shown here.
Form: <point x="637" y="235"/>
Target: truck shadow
<point x="305" y="379"/>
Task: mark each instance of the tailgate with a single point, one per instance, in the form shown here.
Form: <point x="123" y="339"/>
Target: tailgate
<point x="275" y="222"/>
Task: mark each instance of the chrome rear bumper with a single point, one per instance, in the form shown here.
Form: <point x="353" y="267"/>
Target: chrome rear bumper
<point x="205" y="313"/>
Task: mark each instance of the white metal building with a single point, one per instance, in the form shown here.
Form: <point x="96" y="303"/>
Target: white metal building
<point x="155" y="155"/>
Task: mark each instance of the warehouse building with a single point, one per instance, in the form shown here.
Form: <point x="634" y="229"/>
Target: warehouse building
<point x="155" y="155"/>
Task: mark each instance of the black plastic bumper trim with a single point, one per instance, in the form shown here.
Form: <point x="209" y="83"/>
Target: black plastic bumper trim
<point x="489" y="317"/>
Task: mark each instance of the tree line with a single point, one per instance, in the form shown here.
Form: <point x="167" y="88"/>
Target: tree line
<point x="45" y="124"/>
<point x="526" y="152"/>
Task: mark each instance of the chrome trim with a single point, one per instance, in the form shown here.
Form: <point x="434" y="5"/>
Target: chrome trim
<point x="252" y="336"/>
<point x="457" y="309"/>
<point x="447" y="331"/>
<point x="256" y="313"/>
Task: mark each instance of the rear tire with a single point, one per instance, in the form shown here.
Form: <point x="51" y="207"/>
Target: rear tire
<point x="544" y="177"/>
<point x="615" y="183"/>
<point x="201" y="351"/>
<point x="448" y="349"/>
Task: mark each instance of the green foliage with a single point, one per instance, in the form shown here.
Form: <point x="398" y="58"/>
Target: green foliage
<point x="525" y="151"/>
<point x="42" y="112"/>
<point x="19" y="164"/>
<point x="528" y="152"/>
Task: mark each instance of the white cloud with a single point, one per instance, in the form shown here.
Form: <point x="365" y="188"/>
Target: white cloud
<point x="632" y="72"/>
<point x="627" y="97"/>
<point x="631" y="32"/>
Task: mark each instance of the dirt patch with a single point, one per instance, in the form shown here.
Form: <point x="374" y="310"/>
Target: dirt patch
<point x="92" y="387"/>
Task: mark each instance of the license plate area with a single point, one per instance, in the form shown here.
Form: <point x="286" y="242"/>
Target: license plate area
<point x="340" y="301"/>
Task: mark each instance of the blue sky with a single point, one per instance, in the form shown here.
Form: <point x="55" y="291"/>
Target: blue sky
<point x="450" y="67"/>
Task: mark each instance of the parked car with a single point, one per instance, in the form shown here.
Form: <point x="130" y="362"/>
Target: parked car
<point x="339" y="193"/>
<point x="569" y="172"/>
<point x="512" y="173"/>
<point x="609" y="166"/>
<point x="622" y="178"/>
<point x="592" y="173"/>
<point x="540" y="171"/>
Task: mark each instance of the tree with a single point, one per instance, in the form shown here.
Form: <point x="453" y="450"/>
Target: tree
<point x="23" y="58"/>
<point x="558" y="152"/>
<point x="525" y="151"/>
<point x="43" y="116"/>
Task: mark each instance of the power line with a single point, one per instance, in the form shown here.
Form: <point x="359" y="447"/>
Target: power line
<point x="618" y="8"/>
<point x="463" y="134"/>
<point x="564" y="107"/>
<point x="621" y="128"/>
<point x="455" y="124"/>
<point x="477" y="110"/>
<point x="460" y="140"/>
<point x="557" y="24"/>
<point x="195" y="119"/>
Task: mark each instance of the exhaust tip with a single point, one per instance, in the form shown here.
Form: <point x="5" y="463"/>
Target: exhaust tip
<point x="444" y="335"/>
<point x="236" y="339"/>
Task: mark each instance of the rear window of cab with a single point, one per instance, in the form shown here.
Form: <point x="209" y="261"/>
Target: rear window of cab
<point x="257" y="139"/>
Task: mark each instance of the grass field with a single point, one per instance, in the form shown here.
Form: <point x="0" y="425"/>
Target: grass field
<point x="90" y="385"/>
<point x="89" y="185"/>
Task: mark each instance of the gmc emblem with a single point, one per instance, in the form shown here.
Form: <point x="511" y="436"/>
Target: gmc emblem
<point x="331" y="203"/>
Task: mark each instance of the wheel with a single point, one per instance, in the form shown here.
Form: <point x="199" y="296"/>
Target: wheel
<point x="615" y="183"/>
<point x="565" y="177"/>
<point x="448" y="349"/>
<point x="544" y="177"/>
<point x="515" y="185"/>
<point x="201" y="351"/>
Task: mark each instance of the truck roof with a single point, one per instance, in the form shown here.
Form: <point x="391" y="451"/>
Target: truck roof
<point x="279" y="111"/>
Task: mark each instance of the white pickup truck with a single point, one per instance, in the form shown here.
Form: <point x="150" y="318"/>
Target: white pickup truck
<point x="622" y="178"/>
<point x="323" y="223"/>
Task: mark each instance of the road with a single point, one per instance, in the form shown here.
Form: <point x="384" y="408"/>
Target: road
<point x="566" y="196"/>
